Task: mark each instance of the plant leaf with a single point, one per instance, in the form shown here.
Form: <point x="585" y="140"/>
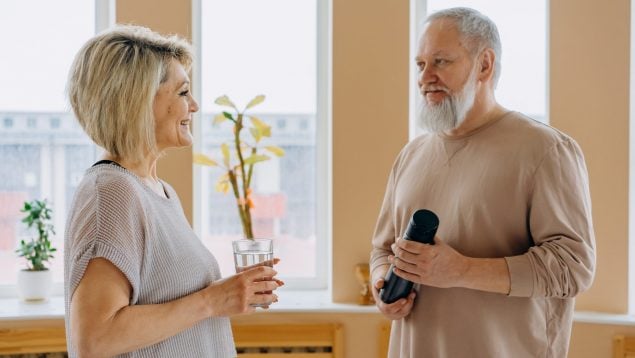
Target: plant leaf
<point x="264" y="128"/>
<point x="225" y="101"/>
<point x="256" y="133"/>
<point x="222" y="186"/>
<point x="225" y="150"/>
<point x="255" y="101"/>
<point x="277" y="151"/>
<point x="203" y="159"/>
<point x="219" y="118"/>
<point x="228" y="115"/>
<point x="256" y="158"/>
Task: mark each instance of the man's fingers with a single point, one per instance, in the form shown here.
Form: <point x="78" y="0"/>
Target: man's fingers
<point x="404" y="265"/>
<point x="406" y="275"/>
<point x="379" y="283"/>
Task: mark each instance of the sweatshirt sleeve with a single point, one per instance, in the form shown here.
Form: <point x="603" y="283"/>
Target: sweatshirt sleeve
<point x="384" y="235"/>
<point x="562" y="261"/>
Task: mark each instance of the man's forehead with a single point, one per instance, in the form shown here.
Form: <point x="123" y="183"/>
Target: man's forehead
<point x="440" y="37"/>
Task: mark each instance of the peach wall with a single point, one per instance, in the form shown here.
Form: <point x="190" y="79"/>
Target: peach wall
<point x="589" y="100"/>
<point x="370" y="123"/>
<point x="167" y="17"/>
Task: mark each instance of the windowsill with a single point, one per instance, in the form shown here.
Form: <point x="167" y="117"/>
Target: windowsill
<point x="604" y="318"/>
<point x="12" y="309"/>
<point x="315" y="301"/>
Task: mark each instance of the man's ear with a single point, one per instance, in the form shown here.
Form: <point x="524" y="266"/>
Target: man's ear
<point x="487" y="60"/>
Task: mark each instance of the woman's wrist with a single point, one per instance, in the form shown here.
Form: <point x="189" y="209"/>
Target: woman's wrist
<point x="205" y="298"/>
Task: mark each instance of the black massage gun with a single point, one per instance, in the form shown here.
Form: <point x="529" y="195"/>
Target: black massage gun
<point x="422" y="228"/>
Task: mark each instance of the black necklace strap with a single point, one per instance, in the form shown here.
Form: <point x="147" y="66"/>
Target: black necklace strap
<point x="106" y="161"/>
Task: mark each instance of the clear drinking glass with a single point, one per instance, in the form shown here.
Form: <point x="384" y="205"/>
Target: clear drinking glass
<point x="250" y="253"/>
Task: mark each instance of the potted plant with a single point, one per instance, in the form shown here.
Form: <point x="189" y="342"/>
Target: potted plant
<point x="35" y="282"/>
<point x="238" y="159"/>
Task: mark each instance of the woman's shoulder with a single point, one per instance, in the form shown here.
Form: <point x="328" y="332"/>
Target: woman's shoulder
<point x="110" y="181"/>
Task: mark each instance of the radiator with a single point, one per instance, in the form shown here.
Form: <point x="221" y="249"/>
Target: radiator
<point x="289" y="341"/>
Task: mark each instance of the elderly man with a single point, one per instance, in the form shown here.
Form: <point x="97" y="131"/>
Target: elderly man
<point x="515" y="243"/>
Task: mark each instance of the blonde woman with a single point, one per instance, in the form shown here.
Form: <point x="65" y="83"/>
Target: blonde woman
<point x="138" y="282"/>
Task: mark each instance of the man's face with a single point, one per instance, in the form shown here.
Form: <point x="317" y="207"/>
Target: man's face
<point x="447" y="77"/>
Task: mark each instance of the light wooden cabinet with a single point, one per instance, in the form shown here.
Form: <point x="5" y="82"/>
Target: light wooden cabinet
<point x="252" y="341"/>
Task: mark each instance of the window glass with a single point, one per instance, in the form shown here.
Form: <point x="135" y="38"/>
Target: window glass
<point x="252" y="47"/>
<point x="41" y="146"/>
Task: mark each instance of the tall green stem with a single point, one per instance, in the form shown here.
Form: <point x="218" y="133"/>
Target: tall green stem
<point x="243" y="205"/>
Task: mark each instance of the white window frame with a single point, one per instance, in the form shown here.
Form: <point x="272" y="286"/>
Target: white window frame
<point x="323" y="145"/>
<point x="105" y="12"/>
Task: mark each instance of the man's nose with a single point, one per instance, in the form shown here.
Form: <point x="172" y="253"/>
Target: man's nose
<point x="427" y="75"/>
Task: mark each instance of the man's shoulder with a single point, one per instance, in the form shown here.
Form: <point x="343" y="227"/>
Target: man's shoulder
<point x="523" y="128"/>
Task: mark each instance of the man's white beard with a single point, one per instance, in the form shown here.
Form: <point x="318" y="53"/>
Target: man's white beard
<point x="451" y="112"/>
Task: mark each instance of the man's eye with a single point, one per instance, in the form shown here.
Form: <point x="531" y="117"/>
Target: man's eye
<point x="184" y="93"/>
<point x="440" y="61"/>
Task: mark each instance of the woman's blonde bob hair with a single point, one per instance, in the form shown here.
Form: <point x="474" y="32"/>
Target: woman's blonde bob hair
<point x="113" y="82"/>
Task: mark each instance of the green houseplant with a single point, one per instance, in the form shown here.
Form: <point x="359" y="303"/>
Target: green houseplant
<point x="35" y="282"/>
<point x="38" y="250"/>
<point x="240" y="156"/>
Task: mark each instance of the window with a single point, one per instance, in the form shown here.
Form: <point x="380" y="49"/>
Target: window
<point x="39" y="161"/>
<point x="8" y="122"/>
<point x="31" y="122"/>
<point x="55" y="122"/>
<point x="522" y="26"/>
<point x="268" y="52"/>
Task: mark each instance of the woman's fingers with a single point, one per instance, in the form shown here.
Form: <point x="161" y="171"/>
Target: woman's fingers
<point x="259" y="272"/>
<point x="268" y="263"/>
<point x="264" y="286"/>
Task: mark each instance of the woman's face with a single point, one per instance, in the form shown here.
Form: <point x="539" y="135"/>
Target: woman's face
<point x="173" y="108"/>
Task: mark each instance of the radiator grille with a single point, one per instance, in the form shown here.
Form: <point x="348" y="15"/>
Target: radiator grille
<point x="289" y="340"/>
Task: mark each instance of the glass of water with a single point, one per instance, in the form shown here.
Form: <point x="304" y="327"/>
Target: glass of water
<point x="251" y="253"/>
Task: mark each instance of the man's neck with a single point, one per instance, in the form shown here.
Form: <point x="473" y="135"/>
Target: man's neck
<point x="477" y="117"/>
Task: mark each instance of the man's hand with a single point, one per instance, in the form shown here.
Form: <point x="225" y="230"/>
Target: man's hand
<point x="396" y="310"/>
<point x="436" y="265"/>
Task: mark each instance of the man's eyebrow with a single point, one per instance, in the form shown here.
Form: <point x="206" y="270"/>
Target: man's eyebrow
<point x="437" y="53"/>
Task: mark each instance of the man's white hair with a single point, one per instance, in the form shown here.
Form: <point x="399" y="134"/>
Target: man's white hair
<point x="479" y="31"/>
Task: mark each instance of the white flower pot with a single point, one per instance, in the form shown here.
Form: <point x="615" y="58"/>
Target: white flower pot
<point x="35" y="285"/>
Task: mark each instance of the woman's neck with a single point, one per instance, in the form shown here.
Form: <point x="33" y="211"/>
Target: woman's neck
<point x="145" y="169"/>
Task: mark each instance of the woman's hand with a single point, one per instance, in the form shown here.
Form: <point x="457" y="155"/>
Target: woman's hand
<point x="238" y="293"/>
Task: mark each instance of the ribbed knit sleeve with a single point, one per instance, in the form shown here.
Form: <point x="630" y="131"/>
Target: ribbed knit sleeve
<point x="110" y="226"/>
<point x="562" y="261"/>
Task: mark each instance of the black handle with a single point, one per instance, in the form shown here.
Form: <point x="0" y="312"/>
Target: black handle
<point x="422" y="227"/>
